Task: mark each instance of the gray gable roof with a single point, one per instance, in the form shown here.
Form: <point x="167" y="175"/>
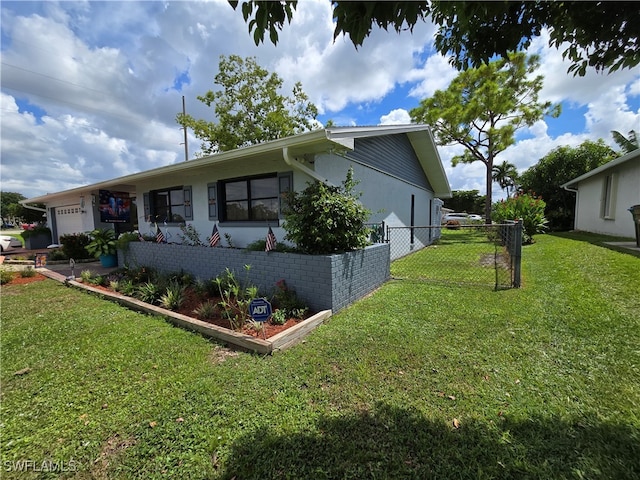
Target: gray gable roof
<point x="315" y="141"/>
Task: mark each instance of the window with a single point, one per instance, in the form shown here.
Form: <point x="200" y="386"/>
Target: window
<point x="171" y="205"/>
<point x="251" y="199"/>
<point x="608" y="197"/>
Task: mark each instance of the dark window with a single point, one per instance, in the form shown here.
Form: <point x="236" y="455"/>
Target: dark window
<point x="251" y="199"/>
<point x="171" y="205"/>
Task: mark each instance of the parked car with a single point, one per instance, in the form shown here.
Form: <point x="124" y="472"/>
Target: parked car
<point x="461" y="218"/>
<point x="8" y="242"/>
<point x="8" y="225"/>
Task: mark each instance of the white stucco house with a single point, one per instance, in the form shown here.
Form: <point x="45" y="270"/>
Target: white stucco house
<point x="400" y="173"/>
<point x="605" y="194"/>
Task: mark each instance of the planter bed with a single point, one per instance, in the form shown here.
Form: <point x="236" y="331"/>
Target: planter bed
<point x="280" y="341"/>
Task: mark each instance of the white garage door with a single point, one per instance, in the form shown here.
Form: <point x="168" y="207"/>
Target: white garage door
<point x="68" y="220"/>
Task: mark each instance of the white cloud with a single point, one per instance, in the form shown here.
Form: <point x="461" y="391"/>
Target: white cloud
<point x="398" y="116"/>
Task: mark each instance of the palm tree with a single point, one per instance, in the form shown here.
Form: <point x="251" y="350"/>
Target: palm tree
<point x="506" y="175"/>
<point x="626" y="144"/>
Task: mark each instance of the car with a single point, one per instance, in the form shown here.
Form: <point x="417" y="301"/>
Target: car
<point x="7" y="242"/>
<point x="461" y="218"/>
<point x="8" y="225"/>
<point x="473" y="217"/>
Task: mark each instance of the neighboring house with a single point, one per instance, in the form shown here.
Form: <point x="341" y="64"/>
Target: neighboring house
<point x="400" y="173"/>
<point x="605" y="194"/>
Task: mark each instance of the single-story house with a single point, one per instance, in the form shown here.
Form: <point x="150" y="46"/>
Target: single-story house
<point x="605" y="194"/>
<point x="400" y="173"/>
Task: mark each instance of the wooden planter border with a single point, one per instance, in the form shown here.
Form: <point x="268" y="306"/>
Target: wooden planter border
<point x="278" y="342"/>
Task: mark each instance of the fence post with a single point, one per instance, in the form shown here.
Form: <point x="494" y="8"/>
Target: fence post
<point x="517" y="253"/>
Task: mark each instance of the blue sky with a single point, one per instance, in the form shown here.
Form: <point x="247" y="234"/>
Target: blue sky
<point x="90" y="90"/>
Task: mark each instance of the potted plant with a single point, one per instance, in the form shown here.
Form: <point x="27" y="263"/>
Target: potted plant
<point x="103" y="246"/>
<point x="37" y="237"/>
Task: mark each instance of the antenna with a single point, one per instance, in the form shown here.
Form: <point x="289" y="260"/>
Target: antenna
<point x="186" y="146"/>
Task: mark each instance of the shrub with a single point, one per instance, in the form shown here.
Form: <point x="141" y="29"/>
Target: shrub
<point x="124" y="239"/>
<point x="452" y="225"/>
<point x="261" y="244"/>
<point x="58" y="254"/>
<point x="173" y="297"/>
<point x="286" y="299"/>
<point x="5" y="276"/>
<point x="190" y="236"/>
<point x="28" y="272"/>
<point x="205" y="311"/>
<point x="323" y="219"/>
<point x="73" y="245"/>
<point x="523" y="206"/>
<point x="278" y="317"/>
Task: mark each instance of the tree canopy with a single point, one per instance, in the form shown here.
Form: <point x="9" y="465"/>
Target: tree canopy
<point x="249" y="108"/>
<point x="599" y="35"/>
<point x="627" y="144"/>
<point x="469" y="201"/>
<point x="483" y="108"/>
<point x="558" y="167"/>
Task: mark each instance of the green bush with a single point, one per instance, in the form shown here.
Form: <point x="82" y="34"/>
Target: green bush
<point x="73" y="245"/>
<point x="324" y="219"/>
<point x="5" y="276"/>
<point x="526" y="207"/>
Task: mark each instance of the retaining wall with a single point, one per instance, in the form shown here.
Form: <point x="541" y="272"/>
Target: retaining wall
<point x="324" y="282"/>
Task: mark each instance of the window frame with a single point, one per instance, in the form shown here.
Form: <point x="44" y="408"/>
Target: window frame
<point x="150" y="199"/>
<point x="283" y="183"/>
<point x="609" y="192"/>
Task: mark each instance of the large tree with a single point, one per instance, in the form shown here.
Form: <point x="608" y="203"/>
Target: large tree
<point x="557" y="168"/>
<point x="601" y="35"/>
<point x="249" y="108"/>
<point x="483" y="108"/>
<point x="469" y="201"/>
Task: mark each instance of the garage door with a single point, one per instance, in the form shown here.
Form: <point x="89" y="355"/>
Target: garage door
<point x="68" y="220"/>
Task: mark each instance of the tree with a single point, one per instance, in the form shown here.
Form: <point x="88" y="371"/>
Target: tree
<point x="249" y="108"/>
<point x="627" y="145"/>
<point x="483" y="108"/>
<point x="601" y="35"/>
<point x="469" y="201"/>
<point x="557" y="168"/>
<point x="506" y="175"/>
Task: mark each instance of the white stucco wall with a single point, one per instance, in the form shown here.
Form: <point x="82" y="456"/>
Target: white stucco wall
<point x="627" y="193"/>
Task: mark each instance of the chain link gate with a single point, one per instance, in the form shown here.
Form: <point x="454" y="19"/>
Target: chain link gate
<point x="458" y="254"/>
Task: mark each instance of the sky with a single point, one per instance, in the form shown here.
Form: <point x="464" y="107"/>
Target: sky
<point x="90" y="90"/>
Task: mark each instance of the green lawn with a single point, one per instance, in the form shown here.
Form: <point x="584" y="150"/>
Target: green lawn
<point x="415" y="381"/>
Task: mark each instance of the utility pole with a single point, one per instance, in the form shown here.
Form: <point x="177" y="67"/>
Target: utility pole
<point x="186" y="147"/>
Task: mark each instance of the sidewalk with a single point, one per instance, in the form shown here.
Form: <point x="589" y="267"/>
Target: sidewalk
<point x="9" y="261"/>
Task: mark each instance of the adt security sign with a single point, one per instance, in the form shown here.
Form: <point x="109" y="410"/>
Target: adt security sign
<point x="260" y="309"/>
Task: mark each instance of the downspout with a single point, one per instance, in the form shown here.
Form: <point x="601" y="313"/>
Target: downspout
<point x="292" y="162"/>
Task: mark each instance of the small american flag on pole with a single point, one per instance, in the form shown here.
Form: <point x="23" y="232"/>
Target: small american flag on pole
<point x="215" y="237"/>
<point x="159" y="235"/>
<point x="271" y="241"/>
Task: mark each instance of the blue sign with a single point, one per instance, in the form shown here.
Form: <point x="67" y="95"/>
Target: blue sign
<point x="260" y="309"/>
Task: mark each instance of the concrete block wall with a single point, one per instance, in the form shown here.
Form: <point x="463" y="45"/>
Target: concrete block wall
<point x="322" y="281"/>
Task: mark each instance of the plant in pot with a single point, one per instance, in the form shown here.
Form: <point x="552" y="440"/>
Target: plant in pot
<point x="103" y="246"/>
<point x="38" y="237"/>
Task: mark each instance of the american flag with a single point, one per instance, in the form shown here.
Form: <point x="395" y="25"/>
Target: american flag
<point x="271" y="241"/>
<point x="159" y="235"/>
<point x="215" y="237"/>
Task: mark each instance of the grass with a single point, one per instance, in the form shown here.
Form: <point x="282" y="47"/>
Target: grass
<point x="415" y="381"/>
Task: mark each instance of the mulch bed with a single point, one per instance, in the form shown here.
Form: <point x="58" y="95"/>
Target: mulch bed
<point x="192" y="301"/>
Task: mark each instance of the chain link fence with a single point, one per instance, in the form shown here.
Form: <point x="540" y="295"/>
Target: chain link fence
<point x="459" y="254"/>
